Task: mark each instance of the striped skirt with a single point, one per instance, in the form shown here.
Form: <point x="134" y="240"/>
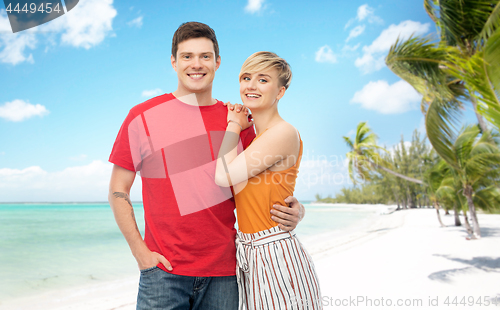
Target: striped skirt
<point x="274" y="271"/>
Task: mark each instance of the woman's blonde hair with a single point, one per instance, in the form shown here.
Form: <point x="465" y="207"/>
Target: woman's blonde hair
<point x="262" y="61"/>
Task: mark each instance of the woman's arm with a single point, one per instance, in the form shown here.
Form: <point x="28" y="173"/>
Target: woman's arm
<point x="274" y="145"/>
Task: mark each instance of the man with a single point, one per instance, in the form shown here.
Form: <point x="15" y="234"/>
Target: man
<point x="187" y="258"/>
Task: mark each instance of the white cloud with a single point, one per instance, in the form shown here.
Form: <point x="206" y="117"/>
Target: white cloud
<point x="152" y="92"/>
<point x="13" y="45"/>
<point x="367" y="63"/>
<point x="6" y="172"/>
<point x="404" y="30"/>
<point x="357" y="31"/>
<point x="136" y="22"/>
<point x="374" y="54"/>
<point x="325" y="54"/>
<point x="18" y="110"/>
<point x="84" y="26"/>
<point x="349" y="23"/>
<point x="365" y="12"/>
<point x="254" y="6"/>
<point x="79" y="183"/>
<point x="379" y="96"/>
<point x="87" y="24"/>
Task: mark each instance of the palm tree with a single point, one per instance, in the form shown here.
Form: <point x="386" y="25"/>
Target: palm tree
<point x="448" y="192"/>
<point x="434" y="178"/>
<point x="470" y="30"/>
<point x="475" y="159"/>
<point x="462" y="66"/>
<point x="364" y="156"/>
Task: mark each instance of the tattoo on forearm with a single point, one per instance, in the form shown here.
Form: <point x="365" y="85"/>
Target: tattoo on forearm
<point x="133" y="216"/>
<point x="124" y="196"/>
<point x="127" y="199"/>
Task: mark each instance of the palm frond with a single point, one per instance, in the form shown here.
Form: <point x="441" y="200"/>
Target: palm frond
<point x="462" y="22"/>
<point x="348" y="141"/>
<point x="487" y="143"/>
<point x="365" y="157"/>
<point x="420" y="62"/>
<point x="448" y="188"/>
<point x="480" y="73"/>
<point x="440" y="123"/>
<point x="487" y="199"/>
<point x="464" y="143"/>
<point x="430" y="8"/>
<point x="479" y="167"/>
<point x="492" y="73"/>
<point x="364" y="135"/>
<point x="492" y="24"/>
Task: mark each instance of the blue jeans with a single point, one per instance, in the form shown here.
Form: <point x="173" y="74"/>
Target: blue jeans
<point x="162" y="290"/>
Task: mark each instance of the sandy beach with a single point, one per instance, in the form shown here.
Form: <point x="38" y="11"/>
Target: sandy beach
<point x="406" y="258"/>
<point x="401" y="260"/>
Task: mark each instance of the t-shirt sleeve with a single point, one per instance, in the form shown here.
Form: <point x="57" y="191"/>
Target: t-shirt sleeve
<point x="121" y="154"/>
<point x="247" y="136"/>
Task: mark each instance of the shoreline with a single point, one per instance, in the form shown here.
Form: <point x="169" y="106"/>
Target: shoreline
<point x="404" y="254"/>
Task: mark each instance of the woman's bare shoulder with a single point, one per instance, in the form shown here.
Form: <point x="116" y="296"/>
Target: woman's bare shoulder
<point x="283" y="134"/>
<point x="287" y="131"/>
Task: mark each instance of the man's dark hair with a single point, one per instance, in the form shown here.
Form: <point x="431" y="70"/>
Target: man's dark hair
<point x="191" y="30"/>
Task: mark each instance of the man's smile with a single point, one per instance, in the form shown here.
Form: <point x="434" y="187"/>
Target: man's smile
<point x="196" y="76"/>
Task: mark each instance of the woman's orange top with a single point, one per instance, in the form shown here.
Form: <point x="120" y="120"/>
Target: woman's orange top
<point x="254" y="202"/>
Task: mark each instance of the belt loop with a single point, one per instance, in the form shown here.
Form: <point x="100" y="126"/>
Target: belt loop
<point x="251" y="243"/>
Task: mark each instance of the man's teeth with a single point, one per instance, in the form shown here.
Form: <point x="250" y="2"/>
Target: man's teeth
<point x="196" y="75"/>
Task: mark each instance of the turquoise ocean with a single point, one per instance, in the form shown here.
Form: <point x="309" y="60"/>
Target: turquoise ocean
<point x="47" y="247"/>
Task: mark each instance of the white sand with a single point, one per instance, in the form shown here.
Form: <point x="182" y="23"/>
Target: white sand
<point x="406" y="255"/>
<point x="403" y="257"/>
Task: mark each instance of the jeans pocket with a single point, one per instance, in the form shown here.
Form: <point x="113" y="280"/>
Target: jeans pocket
<point x="149" y="270"/>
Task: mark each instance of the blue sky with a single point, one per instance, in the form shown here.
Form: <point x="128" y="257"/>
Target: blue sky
<point x="67" y="85"/>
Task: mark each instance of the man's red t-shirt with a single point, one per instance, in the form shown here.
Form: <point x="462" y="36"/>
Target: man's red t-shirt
<point x="189" y="219"/>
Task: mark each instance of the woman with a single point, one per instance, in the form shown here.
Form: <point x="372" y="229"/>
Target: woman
<point x="274" y="270"/>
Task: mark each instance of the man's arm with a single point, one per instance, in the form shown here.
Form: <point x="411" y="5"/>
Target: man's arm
<point x="119" y="191"/>
<point x="288" y="217"/>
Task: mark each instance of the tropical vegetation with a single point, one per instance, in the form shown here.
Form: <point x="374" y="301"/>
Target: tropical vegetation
<point x="461" y="66"/>
<point x="413" y="175"/>
<point x="391" y="176"/>
<point x="458" y="67"/>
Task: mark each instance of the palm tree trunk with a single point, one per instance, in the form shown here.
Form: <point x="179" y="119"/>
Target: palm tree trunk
<point x="407" y="204"/>
<point x="413" y="203"/>
<point x="457" y="219"/>
<point x="436" y="206"/>
<point x="475" y="224"/>
<point x="466" y="221"/>
<point x="395" y="193"/>
<point x="404" y="177"/>
<point x="480" y="119"/>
